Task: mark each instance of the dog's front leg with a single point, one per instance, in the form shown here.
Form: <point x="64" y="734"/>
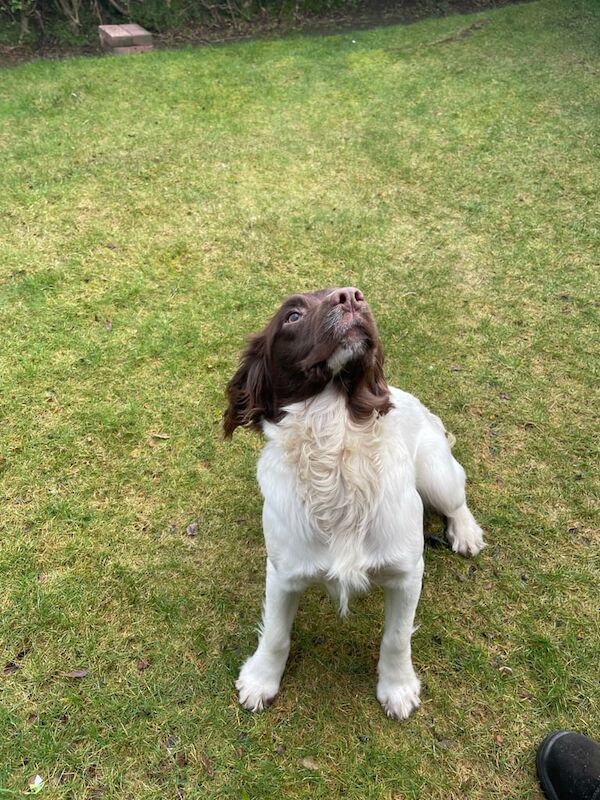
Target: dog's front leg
<point x="260" y="676"/>
<point x="398" y="686"/>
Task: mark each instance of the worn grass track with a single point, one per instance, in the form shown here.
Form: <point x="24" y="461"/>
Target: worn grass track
<point x="153" y="211"/>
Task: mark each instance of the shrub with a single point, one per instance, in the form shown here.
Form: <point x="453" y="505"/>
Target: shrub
<point x="156" y="15"/>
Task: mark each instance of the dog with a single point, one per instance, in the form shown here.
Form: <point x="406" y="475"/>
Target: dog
<point x="348" y="465"/>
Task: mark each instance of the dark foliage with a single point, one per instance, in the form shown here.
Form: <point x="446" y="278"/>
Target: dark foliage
<point x="156" y="15"/>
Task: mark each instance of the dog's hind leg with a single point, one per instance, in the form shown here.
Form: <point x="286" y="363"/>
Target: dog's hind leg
<point x="441" y="484"/>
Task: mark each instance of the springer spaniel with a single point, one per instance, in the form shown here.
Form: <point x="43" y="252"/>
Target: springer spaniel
<point x="348" y="463"/>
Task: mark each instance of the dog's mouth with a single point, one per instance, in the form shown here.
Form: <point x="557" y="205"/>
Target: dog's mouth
<point x="344" y="336"/>
<point x="353" y="337"/>
<point x="350" y="327"/>
<point x="353" y="330"/>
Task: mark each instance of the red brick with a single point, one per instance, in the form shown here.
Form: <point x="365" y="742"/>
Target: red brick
<point x="114" y="36"/>
<point x="138" y="34"/>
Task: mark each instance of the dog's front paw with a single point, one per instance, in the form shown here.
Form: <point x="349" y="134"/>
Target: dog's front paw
<point x="256" y="691"/>
<point x="464" y="534"/>
<point x="399" y="699"/>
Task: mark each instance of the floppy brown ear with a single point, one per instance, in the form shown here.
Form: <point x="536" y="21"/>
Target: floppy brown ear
<point x="368" y="388"/>
<point x="378" y="383"/>
<point x="249" y="392"/>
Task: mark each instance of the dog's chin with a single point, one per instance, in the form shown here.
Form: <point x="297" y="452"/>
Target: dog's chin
<point x="351" y="348"/>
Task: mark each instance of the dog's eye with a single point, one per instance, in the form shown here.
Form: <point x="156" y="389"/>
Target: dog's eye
<point x="293" y="316"/>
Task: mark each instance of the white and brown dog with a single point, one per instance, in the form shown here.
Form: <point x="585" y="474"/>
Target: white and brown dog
<point x="344" y="474"/>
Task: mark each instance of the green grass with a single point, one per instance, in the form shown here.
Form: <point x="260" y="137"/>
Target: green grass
<point x="154" y="211"/>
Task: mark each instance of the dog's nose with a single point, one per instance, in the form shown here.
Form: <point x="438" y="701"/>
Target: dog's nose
<point x="349" y="298"/>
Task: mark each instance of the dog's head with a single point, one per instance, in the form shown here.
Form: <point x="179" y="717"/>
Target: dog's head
<point x="314" y="339"/>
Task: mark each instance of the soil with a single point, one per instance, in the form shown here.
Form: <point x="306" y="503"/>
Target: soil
<point x="370" y="14"/>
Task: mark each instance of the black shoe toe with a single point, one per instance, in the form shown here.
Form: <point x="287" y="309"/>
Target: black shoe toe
<point x="568" y="766"/>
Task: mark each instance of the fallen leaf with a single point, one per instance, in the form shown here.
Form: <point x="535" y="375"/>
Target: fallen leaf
<point x="76" y="673"/>
<point x="160" y="435"/>
<point x="309" y="763"/>
<point x="192" y="529"/>
<point x="142" y="664"/>
<point x="181" y="759"/>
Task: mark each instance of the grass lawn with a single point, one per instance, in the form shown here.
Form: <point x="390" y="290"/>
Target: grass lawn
<point x="153" y="212"/>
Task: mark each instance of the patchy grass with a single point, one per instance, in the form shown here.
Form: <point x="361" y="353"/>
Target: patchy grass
<point x="153" y="211"/>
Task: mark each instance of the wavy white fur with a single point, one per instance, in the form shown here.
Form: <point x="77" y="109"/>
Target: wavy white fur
<point x="338" y="480"/>
<point x="343" y="505"/>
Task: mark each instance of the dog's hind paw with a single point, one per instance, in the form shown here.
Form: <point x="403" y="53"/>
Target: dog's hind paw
<point x="464" y="534"/>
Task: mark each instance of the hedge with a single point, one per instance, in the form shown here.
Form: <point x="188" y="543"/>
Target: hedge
<point x="79" y="16"/>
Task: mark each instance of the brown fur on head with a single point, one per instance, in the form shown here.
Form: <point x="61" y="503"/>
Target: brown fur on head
<point x="314" y="339"/>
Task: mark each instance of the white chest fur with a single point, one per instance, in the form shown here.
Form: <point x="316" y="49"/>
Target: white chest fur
<point x="337" y="465"/>
<point x="334" y="493"/>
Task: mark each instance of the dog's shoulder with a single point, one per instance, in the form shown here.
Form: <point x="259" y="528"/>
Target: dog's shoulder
<point x="410" y="419"/>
